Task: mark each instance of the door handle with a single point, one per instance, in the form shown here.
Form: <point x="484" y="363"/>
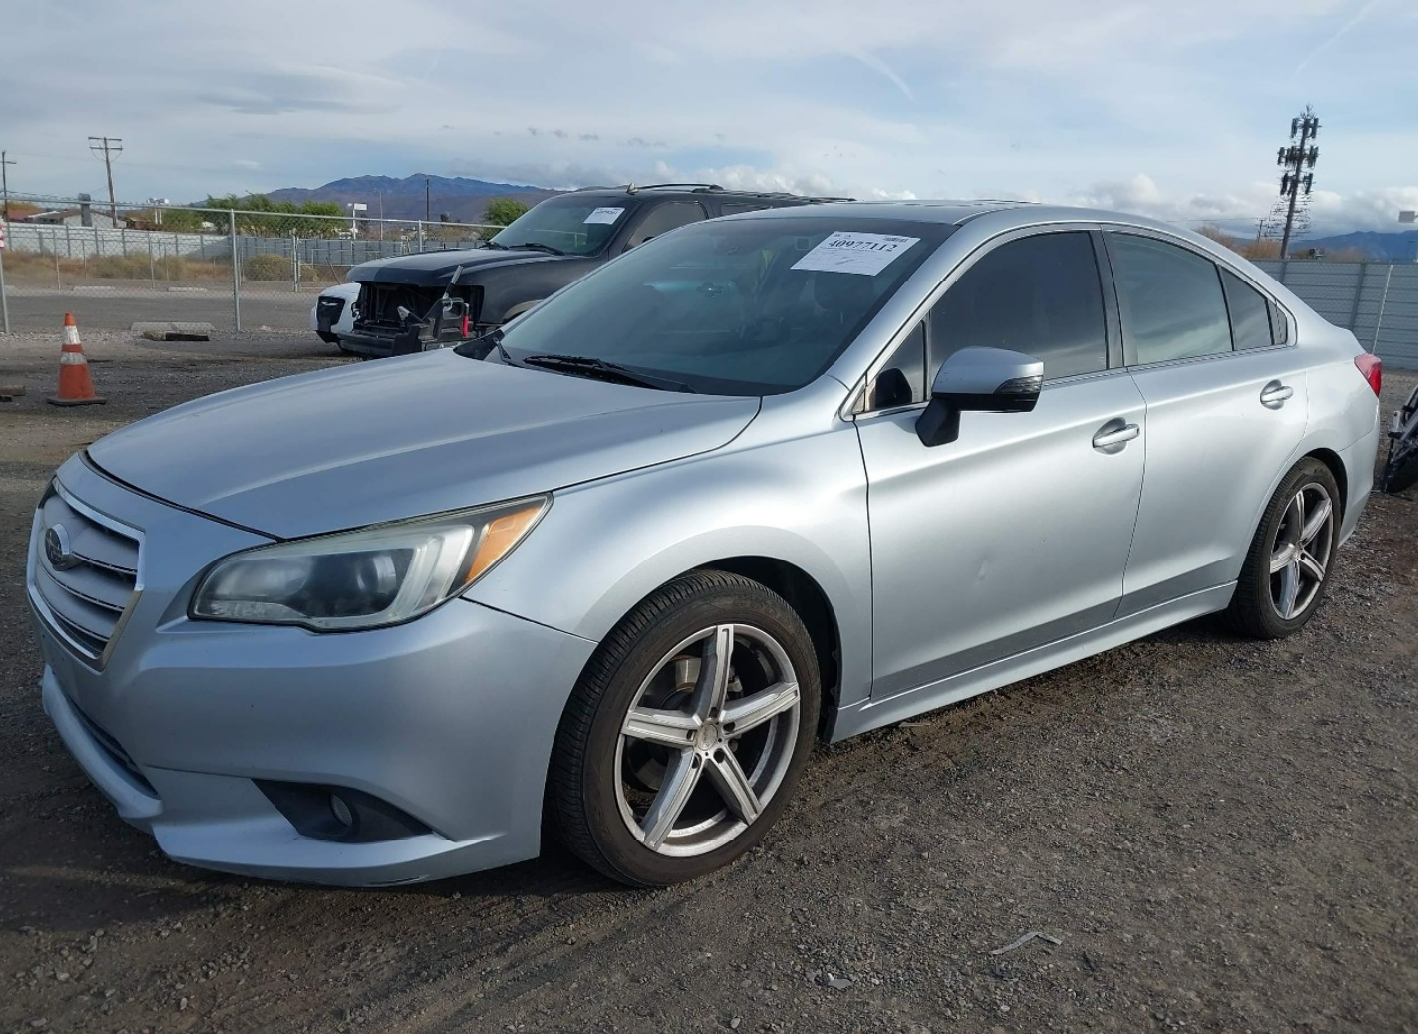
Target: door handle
<point x="1274" y="394"/>
<point x="1115" y="433"/>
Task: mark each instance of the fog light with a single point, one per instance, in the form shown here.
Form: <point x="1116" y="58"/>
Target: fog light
<point x="341" y="811"/>
<point x="324" y="812"/>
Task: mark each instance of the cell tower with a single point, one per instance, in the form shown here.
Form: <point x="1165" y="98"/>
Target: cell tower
<point x="1295" y="182"/>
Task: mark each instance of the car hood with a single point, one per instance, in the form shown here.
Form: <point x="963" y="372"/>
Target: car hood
<point x="433" y="267"/>
<point x="402" y="438"/>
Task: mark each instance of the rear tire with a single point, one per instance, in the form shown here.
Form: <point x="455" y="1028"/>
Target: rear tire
<point x="683" y="740"/>
<point x="1292" y="555"/>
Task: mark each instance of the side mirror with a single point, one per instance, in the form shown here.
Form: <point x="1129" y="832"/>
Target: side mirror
<point x="979" y="380"/>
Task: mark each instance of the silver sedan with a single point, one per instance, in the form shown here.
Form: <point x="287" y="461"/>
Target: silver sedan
<point x="762" y="482"/>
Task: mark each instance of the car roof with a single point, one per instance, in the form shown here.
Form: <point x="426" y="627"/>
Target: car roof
<point x="957" y="212"/>
<point x="696" y="190"/>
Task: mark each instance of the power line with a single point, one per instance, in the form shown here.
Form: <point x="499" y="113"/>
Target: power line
<point x="5" y="184"/>
<point x="111" y="147"/>
<point x="1295" y="159"/>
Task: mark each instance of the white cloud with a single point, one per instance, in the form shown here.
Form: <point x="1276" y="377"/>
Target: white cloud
<point x="1173" y="109"/>
<point x="1138" y="194"/>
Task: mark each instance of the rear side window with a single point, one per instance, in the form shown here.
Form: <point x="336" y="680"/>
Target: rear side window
<point x="665" y="218"/>
<point x="736" y="208"/>
<point x="1171" y="300"/>
<point x="1040" y="295"/>
<point x="1279" y="325"/>
<point x="1250" y="313"/>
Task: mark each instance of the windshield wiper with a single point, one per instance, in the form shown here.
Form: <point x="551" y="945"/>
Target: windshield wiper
<point x="494" y="244"/>
<point x="536" y="246"/>
<point x="589" y="366"/>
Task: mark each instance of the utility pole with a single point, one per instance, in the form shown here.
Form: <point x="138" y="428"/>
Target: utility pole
<point x="427" y="205"/>
<point x="1295" y="159"/>
<point x="1260" y="232"/>
<point x="5" y="185"/>
<point x="111" y="147"/>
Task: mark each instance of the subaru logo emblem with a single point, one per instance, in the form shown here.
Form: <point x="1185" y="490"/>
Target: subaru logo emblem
<point x="57" y="549"/>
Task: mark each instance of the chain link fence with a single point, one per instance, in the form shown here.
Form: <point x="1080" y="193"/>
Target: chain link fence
<point x="174" y="263"/>
<point x="233" y="268"/>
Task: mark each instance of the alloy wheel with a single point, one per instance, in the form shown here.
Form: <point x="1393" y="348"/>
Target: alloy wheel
<point x="708" y="739"/>
<point x="1300" y="555"/>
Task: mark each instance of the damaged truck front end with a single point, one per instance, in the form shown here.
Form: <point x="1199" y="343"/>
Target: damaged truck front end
<point x="400" y="318"/>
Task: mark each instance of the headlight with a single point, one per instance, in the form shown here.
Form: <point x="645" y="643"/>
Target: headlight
<point x="364" y="579"/>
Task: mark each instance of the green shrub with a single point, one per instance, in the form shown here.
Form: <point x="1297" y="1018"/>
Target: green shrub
<point x="266" y="267"/>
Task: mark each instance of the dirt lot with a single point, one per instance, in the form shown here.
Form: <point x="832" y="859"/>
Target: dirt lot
<point x="1223" y="835"/>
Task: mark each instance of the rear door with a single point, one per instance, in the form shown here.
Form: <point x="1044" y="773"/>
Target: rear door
<point x="1226" y="411"/>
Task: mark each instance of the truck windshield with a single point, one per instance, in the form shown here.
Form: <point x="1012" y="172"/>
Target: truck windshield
<point x="739" y="307"/>
<point x="573" y="226"/>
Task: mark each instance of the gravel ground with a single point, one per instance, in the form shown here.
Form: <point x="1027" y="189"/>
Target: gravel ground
<point x="1220" y="834"/>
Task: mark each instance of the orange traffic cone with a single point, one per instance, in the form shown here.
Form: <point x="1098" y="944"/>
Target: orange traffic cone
<point x="76" y="387"/>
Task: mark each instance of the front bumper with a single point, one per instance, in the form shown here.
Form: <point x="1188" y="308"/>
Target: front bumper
<point x="449" y="718"/>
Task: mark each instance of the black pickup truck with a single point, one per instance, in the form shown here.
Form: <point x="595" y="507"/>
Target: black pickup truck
<point x="558" y="241"/>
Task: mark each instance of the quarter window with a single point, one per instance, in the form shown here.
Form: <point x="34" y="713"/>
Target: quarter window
<point x="1171" y="300"/>
<point x="902" y="380"/>
<point x="665" y="218"/>
<point x="1250" y="313"/>
<point x="1040" y="295"/>
<point x="1279" y="325"/>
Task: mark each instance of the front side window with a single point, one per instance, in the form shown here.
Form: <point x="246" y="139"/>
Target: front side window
<point x="664" y="218"/>
<point x="756" y="306"/>
<point x="1041" y="295"/>
<point x="1171" y="300"/>
<point x="572" y="225"/>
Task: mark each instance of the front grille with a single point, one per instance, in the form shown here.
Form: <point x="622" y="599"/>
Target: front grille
<point x="86" y="595"/>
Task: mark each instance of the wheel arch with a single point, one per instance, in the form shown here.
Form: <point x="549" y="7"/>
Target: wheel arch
<point x="807" y="598"/>
<point x="1332" y="460"/>
<point x="516" y="310"/>
<point x="813" y="606"/>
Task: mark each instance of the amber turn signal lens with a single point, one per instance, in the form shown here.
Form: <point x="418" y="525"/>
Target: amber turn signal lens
<point x="499" y="538"/>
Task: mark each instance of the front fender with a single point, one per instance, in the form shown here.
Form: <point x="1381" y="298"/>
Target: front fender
<point x="606" y="545"/>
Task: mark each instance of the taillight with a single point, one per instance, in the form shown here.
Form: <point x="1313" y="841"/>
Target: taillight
<point x="1372" y="367"/>
<point x="465" y="325"/>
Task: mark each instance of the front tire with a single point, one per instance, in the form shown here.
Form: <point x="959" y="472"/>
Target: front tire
<point x="684" y="737"/>
<point x="1291" y="558"/>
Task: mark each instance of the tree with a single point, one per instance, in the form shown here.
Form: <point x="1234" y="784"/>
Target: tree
<point x="502" y="211"/>
<point x="258" y="215"/>
<point x="1263" y="248"/>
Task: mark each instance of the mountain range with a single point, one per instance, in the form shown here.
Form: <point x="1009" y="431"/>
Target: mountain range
<point x="1379" y="247"/>
<point x="463" y="200"/>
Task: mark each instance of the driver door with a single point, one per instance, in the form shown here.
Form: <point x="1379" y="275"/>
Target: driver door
<point x="1017" y="533"/>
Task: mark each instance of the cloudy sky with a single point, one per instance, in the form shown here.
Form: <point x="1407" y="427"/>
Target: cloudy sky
<point x="1170" y="108"/>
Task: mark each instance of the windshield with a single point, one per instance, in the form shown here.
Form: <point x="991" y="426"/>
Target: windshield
<point x="741" y="307"/>
<point x="574" y="226"/>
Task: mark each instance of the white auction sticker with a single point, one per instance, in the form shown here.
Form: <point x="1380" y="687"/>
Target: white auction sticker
<point x="604" y="215"/>
<point x="866" y="254"/>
